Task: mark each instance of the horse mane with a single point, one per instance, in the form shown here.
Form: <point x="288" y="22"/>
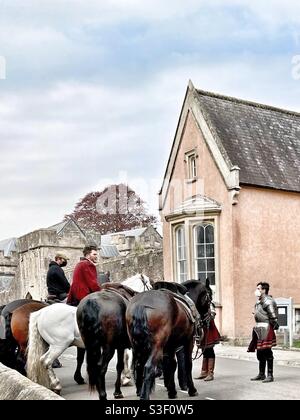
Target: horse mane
<point x="193" y="283"/>
<point x="119" y="286"/>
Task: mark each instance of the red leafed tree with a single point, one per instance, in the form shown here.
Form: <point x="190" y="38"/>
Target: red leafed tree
<point x="114" y="209"/>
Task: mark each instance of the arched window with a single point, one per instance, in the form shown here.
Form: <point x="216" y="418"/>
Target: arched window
<point x="204" y="240"/>
<point x="181" y="255"/>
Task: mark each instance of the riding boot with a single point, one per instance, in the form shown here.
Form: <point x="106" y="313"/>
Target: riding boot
<point x="204" y="370"/>
<point x="262" y="369"/>
<point x="270" y="377"/>
<point x="211" y="368"/>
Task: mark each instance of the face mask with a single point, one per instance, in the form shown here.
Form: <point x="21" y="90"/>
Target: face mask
<point x="64" y="264"/>
<point x="257" y="293"/>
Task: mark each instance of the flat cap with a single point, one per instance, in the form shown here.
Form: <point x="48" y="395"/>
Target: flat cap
<point x="63" y="256"/>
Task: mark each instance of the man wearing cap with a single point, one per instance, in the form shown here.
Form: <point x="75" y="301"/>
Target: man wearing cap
<point x="57" y="283"/>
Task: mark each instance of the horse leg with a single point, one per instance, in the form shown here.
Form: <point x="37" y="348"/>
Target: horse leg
<point x="47" y="359"/>
<point x="126" y="374"/>
<point x="181" y="369"/>
<point x="139" y="373"/>
<point x="188" y="351"/>
<point x="21" y="360"/>
<point x="120" y="367"/>
<point x="106" y="356"/>
<point x="80" y="359"/>
<point x="150" y="372"/>
<point x="170" y="365"/>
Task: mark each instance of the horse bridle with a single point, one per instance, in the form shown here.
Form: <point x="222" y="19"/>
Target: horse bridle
<point x="146" y="287"/>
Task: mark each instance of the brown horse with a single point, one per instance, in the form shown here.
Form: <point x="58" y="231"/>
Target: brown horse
<point x="19" y="326"/>
<point x="158" y="324"/>
<point x="101" y="321"/>
<point x="9" y="346"/>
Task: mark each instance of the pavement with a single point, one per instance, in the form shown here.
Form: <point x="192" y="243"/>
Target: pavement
<point x="282" y="357"/>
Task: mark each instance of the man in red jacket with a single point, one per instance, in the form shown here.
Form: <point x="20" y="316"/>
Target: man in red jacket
<point x="84" y="277"/>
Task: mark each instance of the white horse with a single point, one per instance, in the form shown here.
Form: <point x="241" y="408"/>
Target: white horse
<point x="139" y="283"/>
<point x="53" y="329"/>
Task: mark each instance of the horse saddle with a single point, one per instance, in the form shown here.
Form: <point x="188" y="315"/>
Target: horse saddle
<point x="178" y="291"/>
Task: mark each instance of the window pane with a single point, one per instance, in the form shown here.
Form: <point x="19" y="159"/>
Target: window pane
<point x="210" y="250"/>
<point x="210" y="264"/>
<point x="201" y="265"/>
<point x="180" y="237"/>
<point x="212" y="279"/>
<point x="201" y="277"/>
<point x="193" y="167"/>
<point x="209" y="234"/>
<point x="200" y="234"/>
<point x="200" y="251"/>
<point x="181" y="253"/>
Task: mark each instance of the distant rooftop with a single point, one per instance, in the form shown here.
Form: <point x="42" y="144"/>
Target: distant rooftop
<point x="59" y="226"/>
<point x="106" y="239"/>
<point x="7" y="246"/>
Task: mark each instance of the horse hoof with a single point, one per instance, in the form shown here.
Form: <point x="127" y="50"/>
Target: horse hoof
<point x="57" y="391"/>
<point x="127" y="382"/>
<point x="79" y="381"/>
<point x="172" y="396"/>
<point x="193" y="394"/>
<point x="118" y="396"/>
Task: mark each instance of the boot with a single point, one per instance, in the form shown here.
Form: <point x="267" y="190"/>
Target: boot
<point x="211" y="368"/>
<point x="204" y="369"/>
<point x="262" y="369"/>
<point x="269" y="378"/>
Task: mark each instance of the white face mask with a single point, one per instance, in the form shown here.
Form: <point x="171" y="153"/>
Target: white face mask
<point x="257" y="293"/>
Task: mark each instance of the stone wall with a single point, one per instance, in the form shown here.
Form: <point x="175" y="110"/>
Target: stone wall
<point x="14" y="386"/>
<point x="148" y="263"/>
<point x="8" y="270"/>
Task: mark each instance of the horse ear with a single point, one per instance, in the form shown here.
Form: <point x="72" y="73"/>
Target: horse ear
<point x="207" y="283"/>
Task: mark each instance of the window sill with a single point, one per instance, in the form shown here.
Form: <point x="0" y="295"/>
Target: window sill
<point x="192" y="180"/>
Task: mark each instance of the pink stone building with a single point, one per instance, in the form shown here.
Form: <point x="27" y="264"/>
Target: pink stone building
<point x="230" y="204"/>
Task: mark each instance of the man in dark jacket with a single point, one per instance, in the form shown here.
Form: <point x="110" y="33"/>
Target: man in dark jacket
<point x="57" y="283"/>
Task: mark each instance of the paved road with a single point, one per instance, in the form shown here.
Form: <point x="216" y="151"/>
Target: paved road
<point x="231" y="383"/>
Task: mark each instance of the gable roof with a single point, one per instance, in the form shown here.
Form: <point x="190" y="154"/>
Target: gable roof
<point x="7" y="246"/>
<point x="263" y="141"/>
<point x="251" y="143"/>
<point x="59" y="227"/>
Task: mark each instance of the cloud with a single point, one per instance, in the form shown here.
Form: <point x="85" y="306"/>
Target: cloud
<point x="94" y="89"/>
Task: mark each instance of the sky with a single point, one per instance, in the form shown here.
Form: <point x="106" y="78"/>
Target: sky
<point x="91" y="91"/>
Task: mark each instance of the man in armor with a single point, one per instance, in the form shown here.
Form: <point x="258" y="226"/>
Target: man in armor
<point x="263" y="336"/>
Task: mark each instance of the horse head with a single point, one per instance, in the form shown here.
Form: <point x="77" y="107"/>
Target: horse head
<point x="139" y="283"/>
<point x="201" y="294"/>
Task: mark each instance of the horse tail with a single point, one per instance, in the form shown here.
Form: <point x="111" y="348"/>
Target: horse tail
<point x="93" y="338"/>
<point x="141" y="338"/>
<point x="37" y="347"/>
